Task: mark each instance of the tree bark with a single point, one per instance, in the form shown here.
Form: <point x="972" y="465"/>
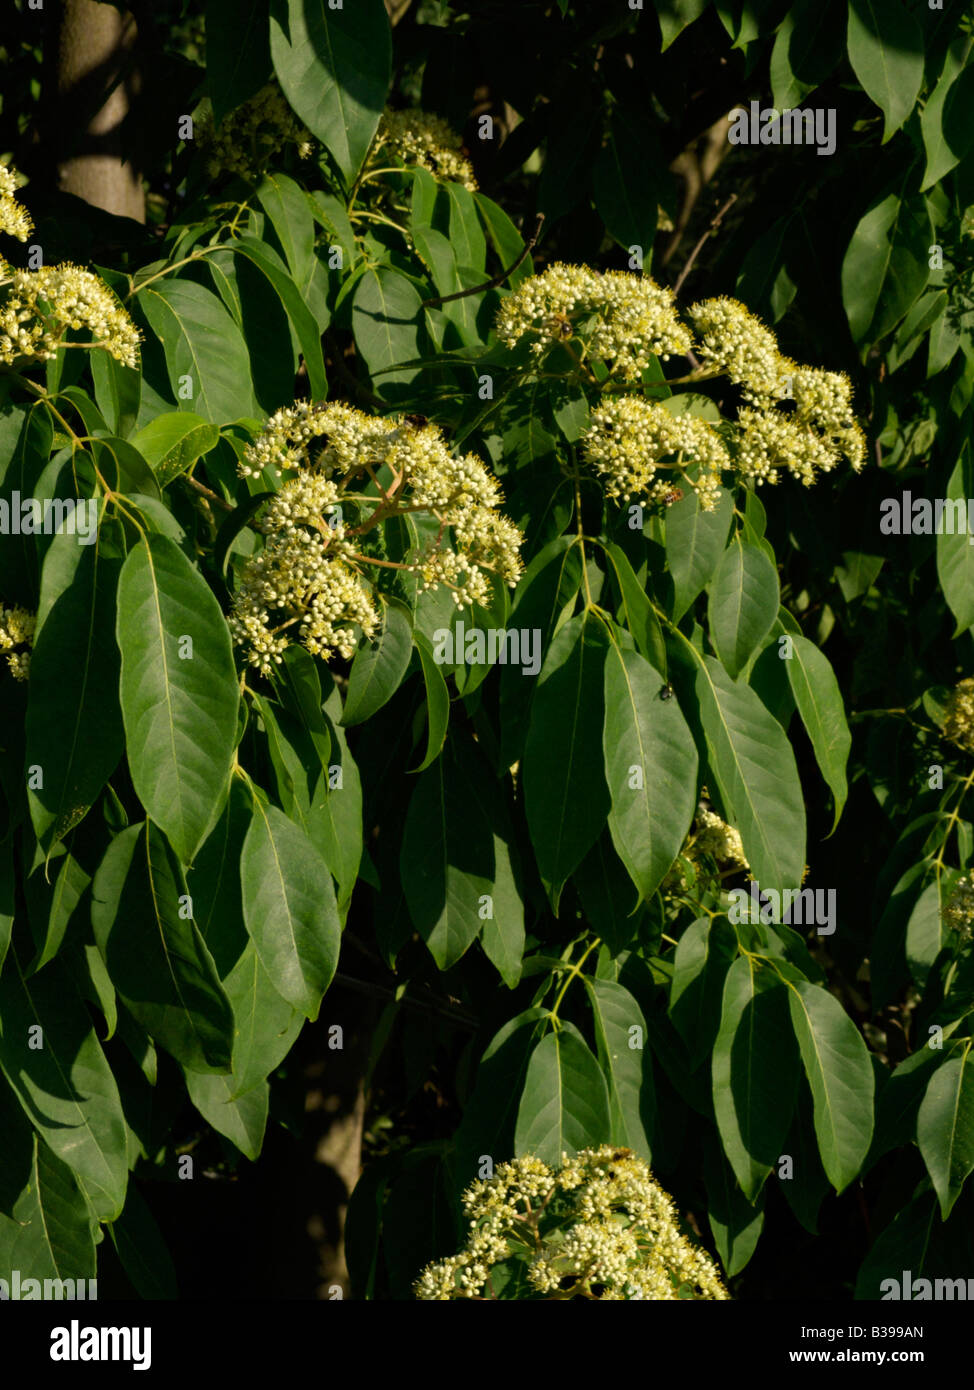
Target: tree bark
<point x="96" y="50"/>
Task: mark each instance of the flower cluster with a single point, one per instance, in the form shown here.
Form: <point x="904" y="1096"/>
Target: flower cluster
<point x="598" y="1226"/>
<point x="319" y="528"/>
<point x="714" y="837"/>
<point x="958" y="912"/>
<point x="17" y="630"/>
<point x="420" y="138"/>
<point x="248" y="139"/>
<point x="14" y="220"/>
<point x="959" y="716"/>
<point x="795" y="418"/>
<point x="621" y="319"/>
<point x="629" y="438"/>
<point x="41" y="305"/>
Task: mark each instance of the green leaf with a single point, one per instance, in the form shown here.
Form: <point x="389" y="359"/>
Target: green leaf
<point x="437" y="701"/>
<point x="238" y="59"/>
<point x="290" y="909"/>
<point x="7" y="895"/>
<point x="743" y="603"/>
<point x="50" y="1235"/>
<point x="455" y="867"/>
<point x="807" y="47"/>
<point x="565" y="1103"/>
<point x="289" y="209"/>
<point x="700" y="964"/>
<point x="172" y="443"/>
<point x="754" y="767"/>
<point x="736" y="1224"/>
<point x="69" y="889"/>
<point x="548" y="585"/>
<point x="504" y="237"/>
<point x="946" y="138"/>
<point x="695" y="542"/>
<point x="65" y="1086"/>
<point x="295" y="306"/>
<point x="755" y="1072"/>
<point x="386" y="317"/>
<point x="334" y="66"/>
<point x="118" y="391"/>
<point x="945" y="1128"/>
<point x="73" y="687"/>
<point x="620" y="1034"/>
<point x="840" y="1076"/>
<point x="142" y="1249"/>
<point x="179" y="691"/>
<point x="886" y="267"/>
<point x="565" y="793"/>
<point x="489" y="1116"/>
<point x="379" y="666"/>
<point x="156" y="956"/>
<point x="885" y="44"/>
<point x="955" y="553"/>
<point x="650" y="768"/>
<point x="675" y="15"/>
<point x="637" y="610"/>
<point x="625" y="194"/>
<point x="241" y="1118"/>
<point x="205" y="350"/>
<point x="820" y="705"/>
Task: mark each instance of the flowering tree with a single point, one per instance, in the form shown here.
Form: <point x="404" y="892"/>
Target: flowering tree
<point x="500" y="604"/>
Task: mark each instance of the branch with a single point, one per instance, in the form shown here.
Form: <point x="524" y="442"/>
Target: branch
<point x="498" y="279"/>
<point x="715" y="223"/>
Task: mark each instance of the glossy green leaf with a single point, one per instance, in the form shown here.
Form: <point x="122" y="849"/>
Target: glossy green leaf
<point x="179" y="691"/>
<point x="840" y="1075"/>
<point x="955" y="554"/>
<point x="241" y="1118"/>
<point x="49" y="1237"/>
<point x="736" y="1223"/>
<point x="754" y="767"/>
<point x="566" y="797"/>
<point x="437" y="701"/>
<point x="743" y="603"/>
<point x="819" y="701"/>
<point x="172" y="443"/>
<point x="238" y="59"/>
<point x="386" y="318"/>
<point x="334" y="67"/>
<point x="206" y="356"/>
<point x="695" y="542"/>
<point x="886" y="268"/>
<point x="74" y="685"/>
<point x="755" y="1072"/>
<point x="620" y="1035"/>
<point x="379" y="666"/>
<point x="156" y="956"/>
<point x="293" y="300"/>
<point x="650" y="768"/>
<point x="945" y="1128"/>
<point x="62" y="1080"/>
<point x="565" y="1103"/>
<point x="289" y="907"/>
<point x="885" y="44"/>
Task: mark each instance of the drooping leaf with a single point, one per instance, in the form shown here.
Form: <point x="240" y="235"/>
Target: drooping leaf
<point x="819" y="702"/>
<point x="620" y="1033"/>
<point x="885" y="46"/>
<point x="565" y="1103"/>
<point x="743" y="603"/>
<point x="178" y="689"/>
<point x="206" y="356"/>
<point x="840" y="1075"/>
<point x="945" y="1128"/>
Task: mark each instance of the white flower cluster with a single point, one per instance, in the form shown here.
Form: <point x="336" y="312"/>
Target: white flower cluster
<point x="310" y="573"/>
<point x="597" y="1227"/>
<point x="621" y="319"/>
<point x="251" y="137"/>
<point x="716" y="838"/>
<point x="421" y="138"/>
<point x="14" y="220"/>
<point x="629" y="438"/>
<point x="41" y="305"/>
<point x="17" y="630"/>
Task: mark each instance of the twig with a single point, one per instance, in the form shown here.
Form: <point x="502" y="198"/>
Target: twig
<point x="227" y="506"/>
<point x="498" y="279"/>
<point x="700" y="244"/>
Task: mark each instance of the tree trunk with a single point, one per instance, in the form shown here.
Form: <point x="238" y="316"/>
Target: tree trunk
<point x="96" y="46"/>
